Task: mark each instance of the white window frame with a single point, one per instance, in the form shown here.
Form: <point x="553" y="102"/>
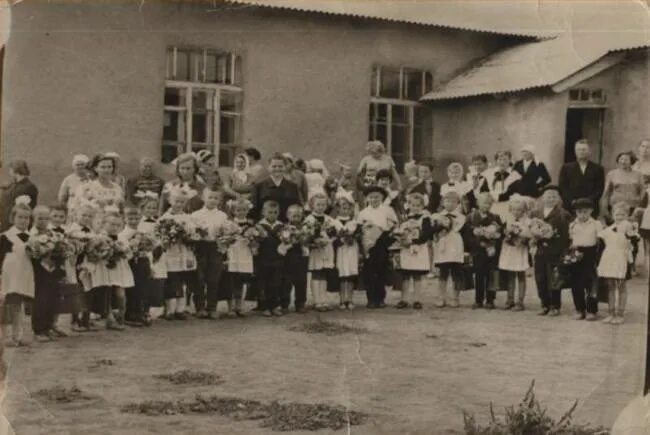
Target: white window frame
<point x="218" y="88"/>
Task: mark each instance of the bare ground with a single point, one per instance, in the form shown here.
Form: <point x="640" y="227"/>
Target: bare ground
<point x="412" y="372"/>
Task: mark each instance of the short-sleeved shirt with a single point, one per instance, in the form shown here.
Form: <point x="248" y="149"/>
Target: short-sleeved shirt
<point x="383" y="162"/>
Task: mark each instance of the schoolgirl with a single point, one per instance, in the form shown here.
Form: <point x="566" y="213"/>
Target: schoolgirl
<point x="180" y="259"/>
<point x="321" y="255"/>
<point x="514" y="256"/>
<point x="109" y="278"/>
<point x="17" y="273"/>
<point x="240" y="256"/>
<point x="347" y="248"/>
<point x="414" y="256"/>
<point x="615" y="261"/>
<point x="147" y="225"/>
<point x="449" y="249"/>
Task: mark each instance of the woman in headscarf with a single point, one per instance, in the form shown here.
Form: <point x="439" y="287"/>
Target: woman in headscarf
<point x="315" y="177"/>
<point x="239" y="183"/>
<point x="19" y="185"/>
<point x="187" y="171"/>
<point x="71" y="182"/>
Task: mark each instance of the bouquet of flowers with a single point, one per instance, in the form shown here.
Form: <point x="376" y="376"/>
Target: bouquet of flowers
<point x="52" y="249"/>
<point x="350" y="233"/>
<point x="118" y="251"/>
<point x="541" y="232"/>
<point x="254" y="236"/>
<point x="406" y="233"/>
<point x="488" y="236"/>
<point x="441" y="224"/>
<point x="317" y="235"/>
<point x="171" y="232"/>
<point x="78" y="240"/>
<point x="141" y="244"/>
<point x="370" y="233"/>
<point x="290" y="235"/>
<point x="573" y="256"/>
<point x="513" y="234"/>
<point x="227" y="235"/>
<point x="98" y="248"/>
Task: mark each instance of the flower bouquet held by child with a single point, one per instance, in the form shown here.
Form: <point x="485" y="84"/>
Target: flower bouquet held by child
<point x="541" y="233"/>
<point x="51" y="249"/>
<point x="488" y="237"/>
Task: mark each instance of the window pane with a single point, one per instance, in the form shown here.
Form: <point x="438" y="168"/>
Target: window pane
<point x="400" y="114"/>
<point x="169" y="66"/>
<point x="378" y="112"/>
<point x="222" y="68"/>
<point x="202" y="99"/>
<point x="428" y="82"/>
<point x="175" y="97"/>
<point x="373" y="81"/>
<point x="174" y="126"/>
<point x="412" y="84"/>
<point x="399" y="147"/>
<point x="211" y="68"/>
<point x="389" y="83"/>
<point x="381" y="133"/>
<point x="182" y="65"/>
<point x="422" y="135"/>
<point x="199" y="146"/>
<point x="230" y="101"/>
<point x="170" y="152"/>
<point x="228" y="130"/>
<point x="202" y="127"/>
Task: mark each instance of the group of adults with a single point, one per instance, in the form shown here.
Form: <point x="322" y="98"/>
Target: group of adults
<point x="288" y="180"/>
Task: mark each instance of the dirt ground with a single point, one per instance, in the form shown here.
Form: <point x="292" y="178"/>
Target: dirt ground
<point x="412" y="372"/>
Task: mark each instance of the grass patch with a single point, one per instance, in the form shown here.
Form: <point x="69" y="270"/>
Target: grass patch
<point x="59" y="394"/>
<point x="101" y="363"/>
<point x="327" y="327"/>
<point x="529" y="417"/>
<point x="191" y="377"/>
<point x="281" y="417"/>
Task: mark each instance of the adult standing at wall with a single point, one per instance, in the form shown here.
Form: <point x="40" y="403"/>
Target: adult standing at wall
<point x="275" y="187"/>
<point x="376" y="160"/>
<point x="71" y="182"/>
<point x="101" y="192"/>
<point x="145" y="181"/>
<point x="117" y="176"/>
<point x="19" y="185"/>
<point x="643" y="164"/>
<point x="622" y="184"/>
<point x="534" y="175"/>
<point x="582" y="178"/>
<point x="296" y="175"/>
<point x="255" y="167"/>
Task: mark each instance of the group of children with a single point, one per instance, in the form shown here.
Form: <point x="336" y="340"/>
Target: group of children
<point x="333" y="244"/>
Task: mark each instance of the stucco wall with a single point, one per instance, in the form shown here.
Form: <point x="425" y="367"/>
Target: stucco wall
<point x="91" y="77"/>
<point x="488" y="124"/>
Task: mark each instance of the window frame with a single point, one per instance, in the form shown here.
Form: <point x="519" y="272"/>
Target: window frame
<point x="186" y="143"/>
<point x="409" y="105"/>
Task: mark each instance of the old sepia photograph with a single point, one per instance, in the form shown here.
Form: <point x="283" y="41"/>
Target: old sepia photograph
<point x="304" y="217"/>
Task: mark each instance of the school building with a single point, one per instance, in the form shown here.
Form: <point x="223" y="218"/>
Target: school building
<point x="434" y="80"/>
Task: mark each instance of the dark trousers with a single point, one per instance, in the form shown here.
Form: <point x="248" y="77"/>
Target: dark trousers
<point x="485" y="279"/>
<point x="46" y="294"/>
<point x="209" y="270"/>
<point x="583" y="282"/>
<point x="550" y="298"/>
<point x="294" y="277"/>
<point x="375" y="273"/>
<point x="269" y="284"/>
<point x="137" y="302"/>
<point x="177" y="280"/>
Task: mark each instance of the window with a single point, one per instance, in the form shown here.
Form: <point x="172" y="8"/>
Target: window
<point x="396" y="117"/>
<point x="585" y="96"/>
<point x="202" y="103"/>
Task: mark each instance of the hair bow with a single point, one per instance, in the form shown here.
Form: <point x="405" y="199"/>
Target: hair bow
<point x="145" y="194"/>
<point x="111" y="209"/>
<point x="23" y="200"/>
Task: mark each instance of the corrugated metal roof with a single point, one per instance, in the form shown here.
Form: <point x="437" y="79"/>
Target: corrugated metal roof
<point x="509" y="17"/>
<point x="590" y="35"/>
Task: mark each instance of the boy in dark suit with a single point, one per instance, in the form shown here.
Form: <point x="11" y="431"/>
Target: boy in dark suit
<point x="549" y="253"/>
<point x="275" y="188"/>
<point x="427" y="187"/>
<point x="485" y="258"/>
<point x="478" y="180"/>
<point x="534" y="175"/>
<point x="296" y="264"/>
<point x="268" y="263"/>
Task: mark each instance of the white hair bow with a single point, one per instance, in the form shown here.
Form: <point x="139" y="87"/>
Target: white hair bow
<point x="145" y="194"/>
<point x="23" y="200"/>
